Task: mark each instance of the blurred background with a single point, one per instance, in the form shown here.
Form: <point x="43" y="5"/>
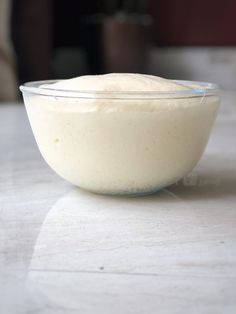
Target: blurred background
<point x="181" y="39"/>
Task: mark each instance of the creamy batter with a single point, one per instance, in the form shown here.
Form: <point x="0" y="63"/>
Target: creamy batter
<point x="118" y="82"/>
<point x="121" y="146"/>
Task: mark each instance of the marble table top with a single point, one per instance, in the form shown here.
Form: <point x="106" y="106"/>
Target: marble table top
<point x="63" y="250"/>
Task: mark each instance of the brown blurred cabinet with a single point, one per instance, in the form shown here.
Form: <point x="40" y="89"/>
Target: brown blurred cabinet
<point x="175" y="23"/>
<point x="191" y="22"/>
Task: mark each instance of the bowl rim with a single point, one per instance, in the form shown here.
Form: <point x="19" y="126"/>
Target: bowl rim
<point x="201" y="89"/>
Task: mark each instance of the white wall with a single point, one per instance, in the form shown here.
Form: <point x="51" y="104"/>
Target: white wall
<point x="212" y="64"/>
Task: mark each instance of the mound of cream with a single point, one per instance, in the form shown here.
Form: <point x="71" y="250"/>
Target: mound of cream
<point x="117" y="82"/>
<point x="119" y="145"/>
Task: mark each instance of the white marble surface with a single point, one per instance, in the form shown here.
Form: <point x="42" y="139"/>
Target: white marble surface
<point x="63" y="250"/>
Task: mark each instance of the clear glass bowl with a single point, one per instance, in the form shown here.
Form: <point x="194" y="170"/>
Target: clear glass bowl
<point x="121" y="142"/>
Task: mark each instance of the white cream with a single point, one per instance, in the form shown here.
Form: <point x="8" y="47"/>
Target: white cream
<point x="122" y="146"/>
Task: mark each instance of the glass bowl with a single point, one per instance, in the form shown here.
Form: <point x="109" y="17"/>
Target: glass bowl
<point x="121" y="142"/>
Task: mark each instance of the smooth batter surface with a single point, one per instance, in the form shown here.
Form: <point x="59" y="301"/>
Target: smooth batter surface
<point x="123" y="82"/>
